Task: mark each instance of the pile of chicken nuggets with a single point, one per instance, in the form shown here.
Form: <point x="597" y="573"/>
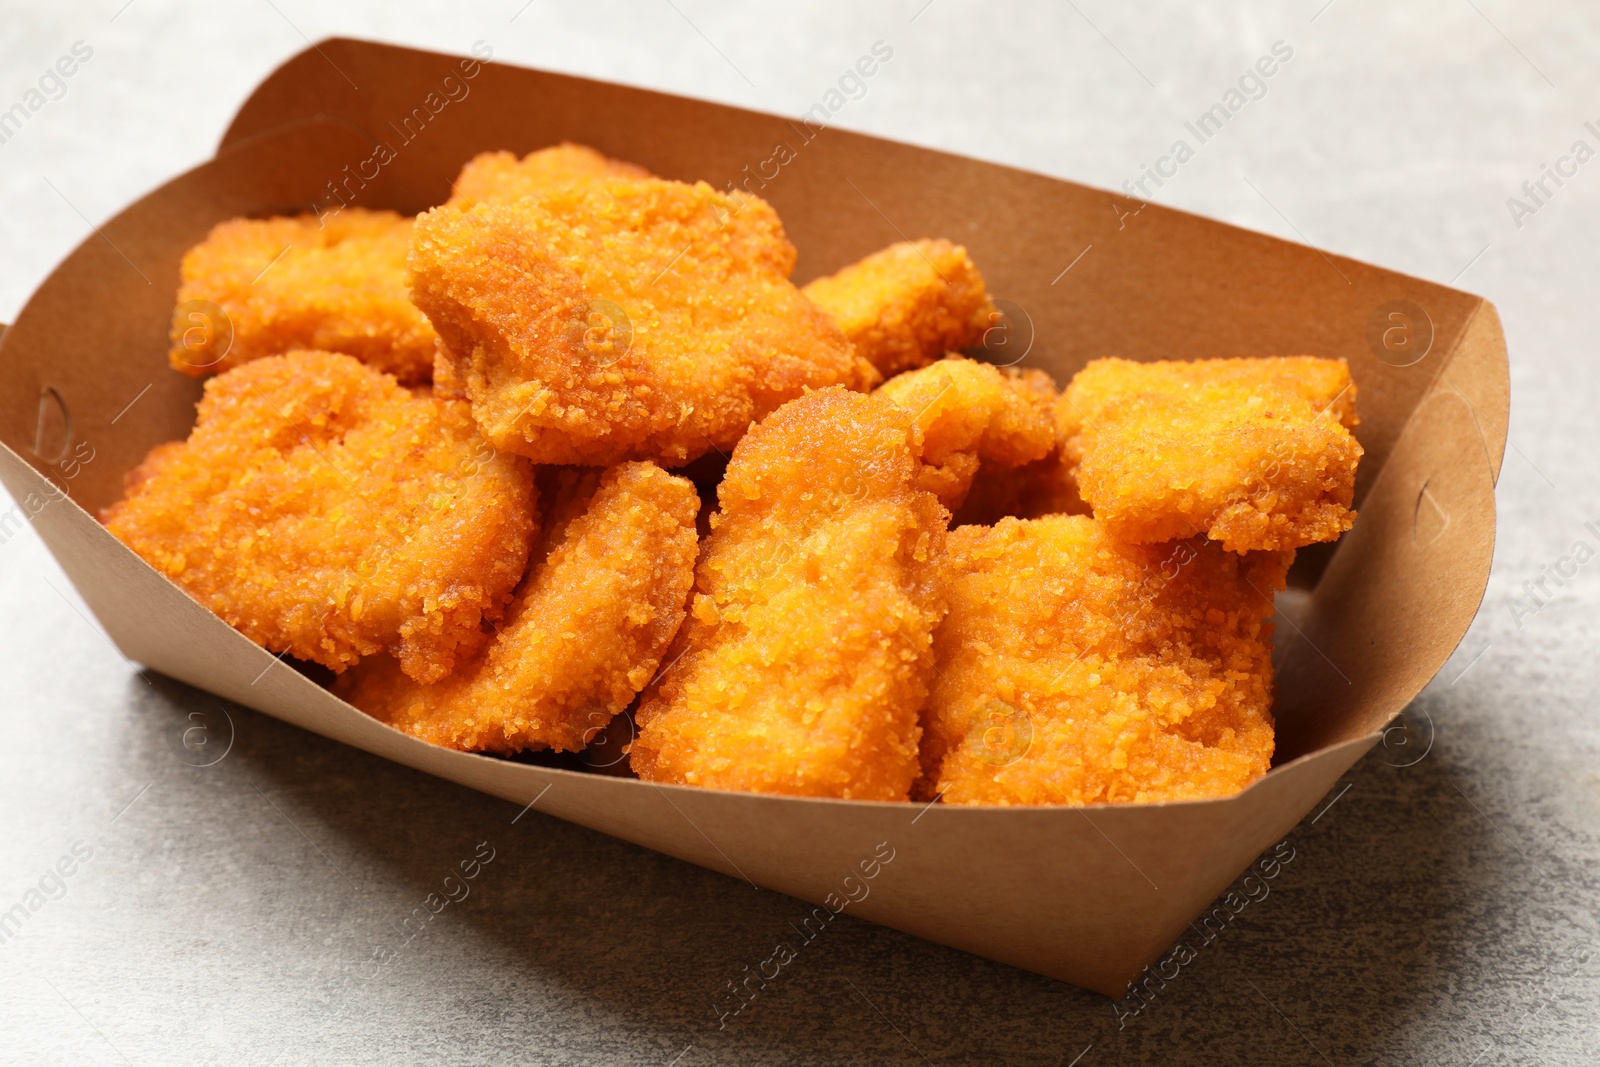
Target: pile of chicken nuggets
<point x="569" y="457"/>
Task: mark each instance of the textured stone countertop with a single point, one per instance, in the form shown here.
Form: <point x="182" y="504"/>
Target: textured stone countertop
<point x="1441" y="912"/>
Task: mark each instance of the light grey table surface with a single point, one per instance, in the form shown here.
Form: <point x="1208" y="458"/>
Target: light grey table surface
<point x="1437" y="913"/>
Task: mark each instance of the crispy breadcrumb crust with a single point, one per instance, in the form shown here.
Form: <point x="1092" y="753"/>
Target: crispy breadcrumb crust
<point x="502" y="178"/>
<point x="1255" y="453"/>
<point x="445" y="386"/>
<point x="624" y="319"/>
<point x="908" y="304"/>
<point x="1076" y="669"/>
<point x="971" y="413"/>
<point x="1031" y="491"/>
<point x="335" y="284"/>
<point x="584" y="635"/>
<point x="805" y="658"/>
<point x="323" y="510"/>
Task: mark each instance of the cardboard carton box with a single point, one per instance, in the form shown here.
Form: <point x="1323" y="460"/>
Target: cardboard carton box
<point x="1085" y="895"/>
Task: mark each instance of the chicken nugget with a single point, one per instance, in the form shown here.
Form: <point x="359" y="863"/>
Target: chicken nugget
<point x="584" y="635"/>
<point x="1029" y="490"/>
<point x="335" y="284"/>
<point x="323" y="510"/>
<point x="907" y="305"/>
<point x="1255" y="453"/>
<point x="1033" y="490"/>
<point x="972" y="413"/>
<point x="623" y="319"/>
<point x="805" y="657"/>
<point x="501" y="177"/>
<point x="1078" y="669"/>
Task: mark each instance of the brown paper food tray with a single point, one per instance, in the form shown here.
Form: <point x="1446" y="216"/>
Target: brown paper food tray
<point x="1088" y="896"/>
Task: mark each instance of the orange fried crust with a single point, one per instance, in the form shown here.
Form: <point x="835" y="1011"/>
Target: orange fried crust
<point x="1043" y="487"/>
<point x="1076" y="669"/>
<point x="623" y="319"/>
<point x="324" y="511"/>
<point x="445" y="385"/>
<point x="806" y="654"/>
<point x="908" y="304"/>
<point x="1255" y="453"/>
<point x="971" y="413"/>
<point x="583" y="636"/>
<point x="501" y="177"/>
<point x="337" y="285"/>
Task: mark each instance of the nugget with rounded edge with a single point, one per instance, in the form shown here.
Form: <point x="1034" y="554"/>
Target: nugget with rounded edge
<point x="623" y="319"/>
<point x="1078" y="669"/>
<point x="501" y="177"/>
<point x="584" y="635"/>
<point x="323" y="510"/>
<point x="805" y="657"/>
<point x="335" y="284"/>
<point x="908" y="304"/>
<point x="971" y="413"/>
<point x="1255" y="453"/>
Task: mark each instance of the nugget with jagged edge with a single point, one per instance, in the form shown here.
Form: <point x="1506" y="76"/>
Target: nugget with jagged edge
<point x="971" y="413"/>
<point x="623" y="319"/>
<point x="1255" y="453"/>
<point x="908" y="304"/>
<point x="325" y="511"/>
<point x="445" y="385"/>
<point x="1077" y="669"/>
<point x="1031" y="491"/>
<point x="502" y="178"/>
<point x="584" y="634"/>
<point x="805" y="657"/>
<point x="335" y="283"/>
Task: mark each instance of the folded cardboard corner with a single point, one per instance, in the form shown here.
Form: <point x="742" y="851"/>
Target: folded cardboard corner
<point x="1088" y="896"/>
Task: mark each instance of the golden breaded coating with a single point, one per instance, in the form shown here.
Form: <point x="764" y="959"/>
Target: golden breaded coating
<point x="623" y="319"/>
<point x="564" y="493"/>
<point x="501" y="177"/>
<point x="972" y="413"/>
<point x="584" y="635"/>
<point x="1031" y="491"/>
<point x="806" y="654"/>
<point x="908" y="304"/>
<point x="1255" y="453"/>
<point x="323" y="510"/>
<point x="445" y="384"/>
<point x="335" y="285"/>
<point x="1076" y="669"/>
<point x="1043" y="487"/>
